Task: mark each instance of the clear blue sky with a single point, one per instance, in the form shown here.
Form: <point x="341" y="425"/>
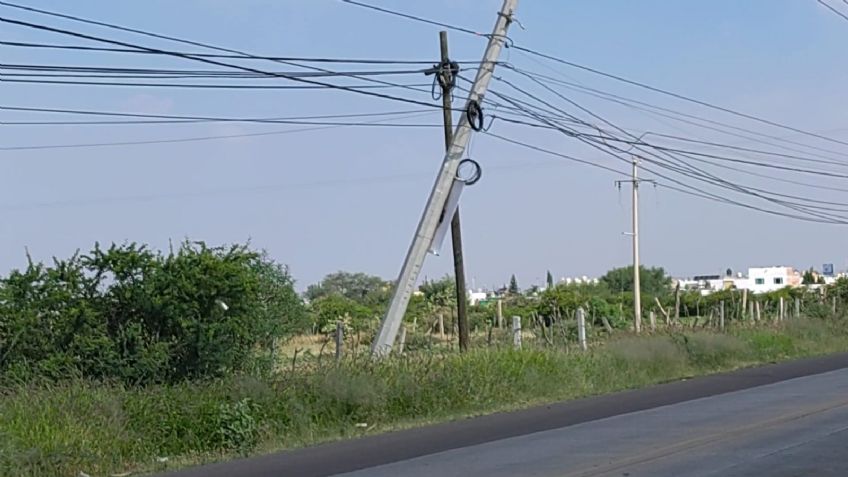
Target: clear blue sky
<point x="350" y="198"/>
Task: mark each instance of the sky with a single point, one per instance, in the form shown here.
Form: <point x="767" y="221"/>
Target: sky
<point x="350" y="198"/>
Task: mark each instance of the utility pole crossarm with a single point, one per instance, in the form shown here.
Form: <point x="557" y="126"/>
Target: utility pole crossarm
<point x="434" y="210"/>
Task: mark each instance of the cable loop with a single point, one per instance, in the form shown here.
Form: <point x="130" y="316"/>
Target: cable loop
<point x="474" y="113"/>
<point x="475" y="176"/>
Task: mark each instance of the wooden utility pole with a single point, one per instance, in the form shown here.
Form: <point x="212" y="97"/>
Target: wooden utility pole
<point x="446" y="76"/>
<point x="436" y="210"/>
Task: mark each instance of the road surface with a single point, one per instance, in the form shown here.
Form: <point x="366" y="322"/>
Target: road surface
<point x="780" y="421"/>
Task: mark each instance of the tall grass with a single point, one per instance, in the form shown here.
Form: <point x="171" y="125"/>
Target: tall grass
<point x="102" y="428"/>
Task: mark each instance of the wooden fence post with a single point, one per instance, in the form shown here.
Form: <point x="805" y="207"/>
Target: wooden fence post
<point x="516" y="332"/>
<point x="339" y="340"/>
<point x="581" y="328"/>
<point x="744" y="301"/>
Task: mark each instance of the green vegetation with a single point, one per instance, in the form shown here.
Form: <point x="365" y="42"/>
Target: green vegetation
<point x="78" y="425"/>
<point x="125" y="359"/>
<point x="140" y="317"/>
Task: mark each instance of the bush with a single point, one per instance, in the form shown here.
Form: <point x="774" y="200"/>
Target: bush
<point x="143" y="317"/>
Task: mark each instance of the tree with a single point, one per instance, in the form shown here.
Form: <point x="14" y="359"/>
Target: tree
<point x="355" y="286"/>
<point x="513" y="286"/>
<point x="812" y="278"/>
<point x="550" y="280"/>
<point x="129" y="313"/>
<point x="329" y="309"/>
<point x="440" y="293"/>
<point x="653" y="281"/>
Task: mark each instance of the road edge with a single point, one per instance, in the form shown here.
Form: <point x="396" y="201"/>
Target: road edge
<point x="371" y="451"/>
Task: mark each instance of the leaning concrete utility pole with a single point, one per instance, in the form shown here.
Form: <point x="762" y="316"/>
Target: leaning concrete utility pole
<point x="446" y="78"/>
<point x="436" y="212"/>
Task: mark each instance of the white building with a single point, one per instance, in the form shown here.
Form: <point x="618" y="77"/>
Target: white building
<point x="767" y="279"/>
<point x="475" y="297"/>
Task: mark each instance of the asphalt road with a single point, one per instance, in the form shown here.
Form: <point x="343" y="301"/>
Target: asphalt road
<point x="789" y="419"/>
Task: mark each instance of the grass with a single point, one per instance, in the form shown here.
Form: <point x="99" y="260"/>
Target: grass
<point x="107" y="429"/>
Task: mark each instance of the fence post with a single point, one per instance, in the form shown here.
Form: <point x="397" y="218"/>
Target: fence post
<point x="780" y="314"/>
<point x="744" y="301"/>
<point x="581" y="328"/>
<point x="759" y="315"/>
<point x="516" y="332"/>
<point x="339" y="340"/>
<point x="721" y="316"/>
<point x="441" y="326"/>
<point x="402" y="339"/>
<point x="652" y="316"/>
<point x="500" y="313"/>
<point x="834" y="305"/>
<point x="797" y="308"/>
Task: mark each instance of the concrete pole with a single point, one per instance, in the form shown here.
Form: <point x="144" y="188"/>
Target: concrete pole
<point x="637" y="289"/>
<point x="721" y="316"/>
<point x="435" y="210"/>
<point x="581" y="328"/>
<point x="516" y="332"/>
<point x="500" y="313"/>
<point x="781" y="313"/>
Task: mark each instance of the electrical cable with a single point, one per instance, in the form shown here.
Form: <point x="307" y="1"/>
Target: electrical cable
<point x="358" y="88"/>
<point x="213" y="62"/>
<point x="595" y="71"/>
<point x="201" y="138"/>
<point x="172" y="119"/>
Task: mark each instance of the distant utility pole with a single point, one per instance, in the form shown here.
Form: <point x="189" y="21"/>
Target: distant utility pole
<point x="446" y="76"/>
<point x="437" y="210"/>
<point x="637" y="289"/>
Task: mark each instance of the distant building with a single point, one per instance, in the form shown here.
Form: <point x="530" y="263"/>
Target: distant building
<point x="475" y="297"/>
<point x="767" y="279"/>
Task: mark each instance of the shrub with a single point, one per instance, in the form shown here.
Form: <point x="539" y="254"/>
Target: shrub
<point x="128" y="313"/>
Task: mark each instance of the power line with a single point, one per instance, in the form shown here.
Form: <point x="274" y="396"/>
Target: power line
<point x="364" y="61"/>
<point x="212" y="62"/>
<point x="357" y="88"/>
<point x="609" y="75"/>
<point x="413" y="17"/>
<point x="204" y="138"/>
<point x="693" y="172"/>
<point x="654" y="109"/>
<point x="173" y="119"/>
<point x="193" y="43"/>
<point x="678" y="95"/>
<point x="844" y="17"/>
<point x="142" y="72"/>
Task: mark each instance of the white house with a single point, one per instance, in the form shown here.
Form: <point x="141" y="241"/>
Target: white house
<point x="766" y="279"/>
<point x="475" y="297"/>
